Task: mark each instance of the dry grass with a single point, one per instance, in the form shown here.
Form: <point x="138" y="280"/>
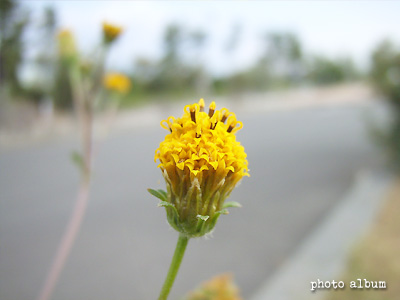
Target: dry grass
<point x="377" y="257"/>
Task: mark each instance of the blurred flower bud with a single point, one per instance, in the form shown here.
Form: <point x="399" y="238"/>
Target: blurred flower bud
<point x="110" y="32"/>
<point x="66" y="45"/>
<point x="220" y="287"/>
<point x="117" y="82"/>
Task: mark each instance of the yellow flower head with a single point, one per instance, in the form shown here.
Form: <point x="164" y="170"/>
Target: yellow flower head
<point x="110" y="32"/>
<point x="117" y="82"/>
<point x="201" y="162"/>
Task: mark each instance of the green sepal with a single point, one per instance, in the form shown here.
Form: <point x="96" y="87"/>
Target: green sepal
<point x="222" y="212"/>
<point x="164" y="193"/>
<point x="232" y="204"/>
<point x="213" y="220"/>
<point x="201" y="225"/>
<point x="172" y="214"/>
<point x="165" y="204"/>
<point x="160" y="194"/>
<point x="169" y="205"/>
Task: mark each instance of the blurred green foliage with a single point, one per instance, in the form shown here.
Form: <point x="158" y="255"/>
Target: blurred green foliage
<point x="180" y="71"/>
<point x="13" y="22"/>
<point x="44" y="60"/>
<point x="326" y="71"/>
<point x="385" y="75"/>
<point x="62" y="93"/>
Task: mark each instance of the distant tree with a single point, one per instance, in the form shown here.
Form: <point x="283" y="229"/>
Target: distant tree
<point x="325" y="71"/>
<point x="46" y="56"/>
<point x="385" y="71"/>
<point x="180" y="68"/>
<point x="44" y="61"/>
<point x="196" y="40"/>
<point x="385" y="76"/>
<point x="234" y="38"/>
<point x="13" y="22"/>
<point x="284" y="55"/>
<point x="173" y="38"/>
<point x="200" y="78"/>
<point x="281" y="63"/>
<point x="170" y="69"/>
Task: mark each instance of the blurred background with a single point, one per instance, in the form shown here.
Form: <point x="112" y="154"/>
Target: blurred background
<point x="316" y="84"/>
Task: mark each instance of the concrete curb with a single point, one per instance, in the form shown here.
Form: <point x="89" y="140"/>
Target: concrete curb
<point x="323" y="254"/>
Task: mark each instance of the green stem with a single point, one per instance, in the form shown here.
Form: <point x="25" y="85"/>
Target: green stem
<point x="174" y="267"/>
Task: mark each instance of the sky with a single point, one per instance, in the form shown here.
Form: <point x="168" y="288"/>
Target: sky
<point x="331" y="28"/>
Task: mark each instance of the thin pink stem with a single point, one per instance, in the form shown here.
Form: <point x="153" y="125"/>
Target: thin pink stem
<point x="74" y="224"/>
<point x="67" y="241"/>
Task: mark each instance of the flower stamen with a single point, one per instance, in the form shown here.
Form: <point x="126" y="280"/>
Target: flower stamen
<point x="193" y="113"/>
<point x="225" y="114"/>
<point x="201" y="104"/>
<point x="211" y="109"/>
<point x="232" y="123"/>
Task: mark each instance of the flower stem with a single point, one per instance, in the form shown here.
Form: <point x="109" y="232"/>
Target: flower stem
<point x="174" y="267"/>
<point x="74" y="224"/>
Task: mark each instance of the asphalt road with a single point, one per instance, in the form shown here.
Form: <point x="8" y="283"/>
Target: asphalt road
<point x="301" y="163"/>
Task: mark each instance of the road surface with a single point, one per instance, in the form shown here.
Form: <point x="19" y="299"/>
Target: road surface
<point x="301" y="162"/>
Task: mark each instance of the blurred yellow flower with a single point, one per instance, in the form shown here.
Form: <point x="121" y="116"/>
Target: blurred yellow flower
<point x="201" y="162"/>
<point x="117" y="82"/>
<point x="220" y="287"/>
<point x="111" y="32"/>
<point x="66" y="44"/>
